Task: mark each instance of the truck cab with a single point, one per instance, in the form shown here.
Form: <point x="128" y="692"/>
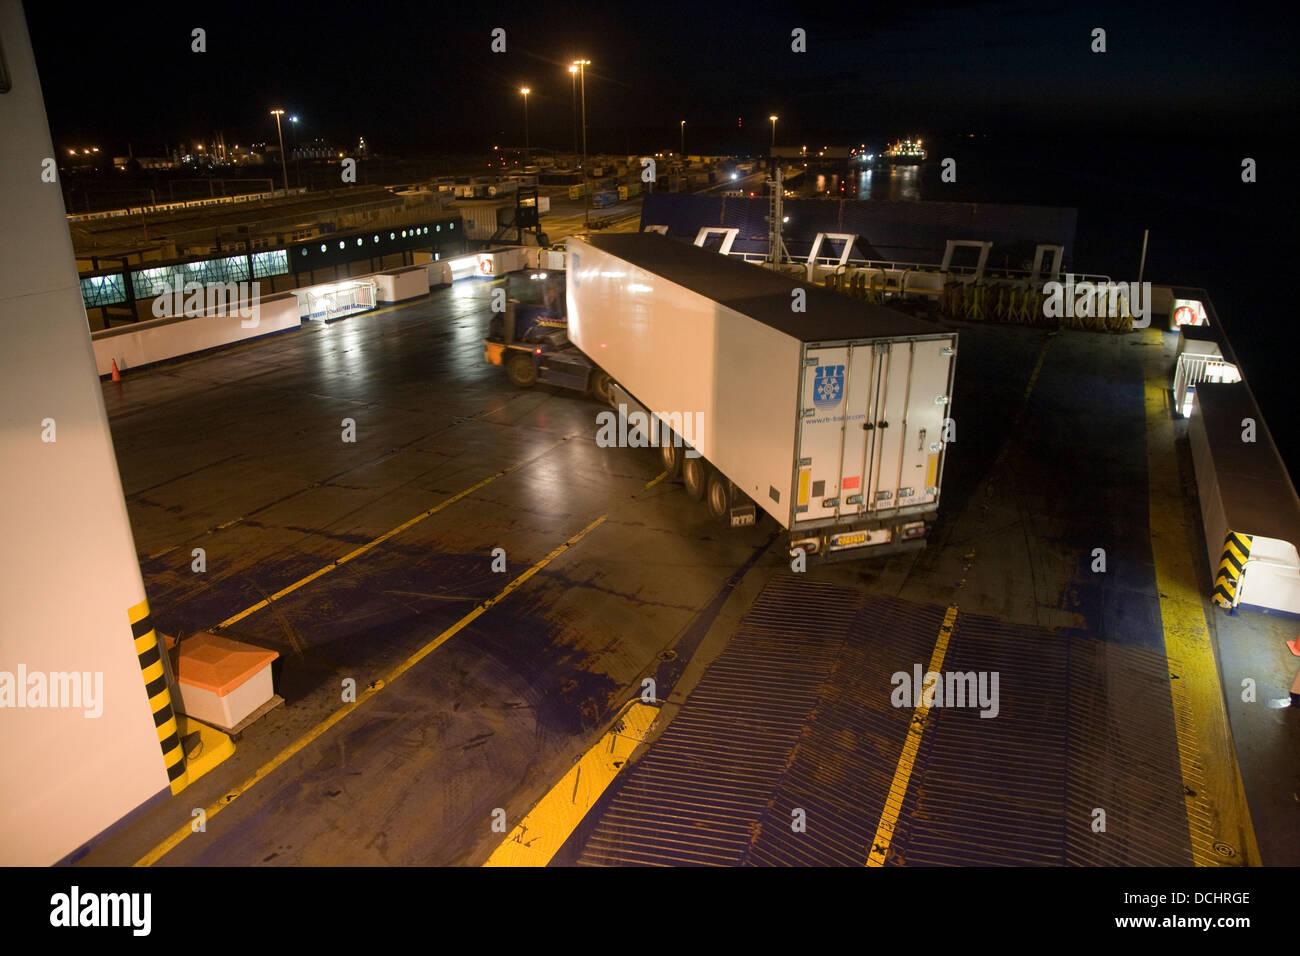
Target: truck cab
<point x="530" y="338"/>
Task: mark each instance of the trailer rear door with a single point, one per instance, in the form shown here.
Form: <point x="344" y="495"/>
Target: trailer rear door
<point x="916" y="408"/>
<point x="871" y="427"/>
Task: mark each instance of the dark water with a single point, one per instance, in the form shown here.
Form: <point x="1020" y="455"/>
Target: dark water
<point x="1207" y="228"/>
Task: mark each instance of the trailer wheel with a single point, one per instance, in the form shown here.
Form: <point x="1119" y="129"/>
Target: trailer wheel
<point x="520" y="369"/>
<point x="695" y="476"/>
<point x="601" y="388"/>
<point x="672" y="456"/>
<point x="718" y="499"/>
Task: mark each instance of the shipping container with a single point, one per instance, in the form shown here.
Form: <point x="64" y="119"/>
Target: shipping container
<point x="830" y="414"/>
<point x="481" y="218"/>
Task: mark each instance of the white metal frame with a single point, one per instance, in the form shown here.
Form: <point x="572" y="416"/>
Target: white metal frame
<point x="848" y="238"/>
<point x="1040" y="251"/>
<point x="728" y="237"/>
<point x="952" y="245"/>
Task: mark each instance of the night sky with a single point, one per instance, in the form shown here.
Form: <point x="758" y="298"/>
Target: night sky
<point x="1150" y="134"/>
<point x="421" y="76"/>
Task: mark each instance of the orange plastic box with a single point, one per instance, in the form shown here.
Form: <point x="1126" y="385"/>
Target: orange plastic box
<point x="223" y="681"/>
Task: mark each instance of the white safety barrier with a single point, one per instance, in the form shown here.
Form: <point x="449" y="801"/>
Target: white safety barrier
<point x="156" y="340"/>
<point x="399" y="285"/>
<point x="441" y="272"/>
<point x="1249" y="509"/>
<point x="1271" y="576"/>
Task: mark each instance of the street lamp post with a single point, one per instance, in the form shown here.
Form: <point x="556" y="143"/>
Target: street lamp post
<point x="573" y="78"/>
<point x="683" y="140"/>
<point x="525" y="90"/>
<point x="586" y="192"/>
<point x="297" y="160"/>
<point x="284" y="166"/>
<point x="773" y="119"/>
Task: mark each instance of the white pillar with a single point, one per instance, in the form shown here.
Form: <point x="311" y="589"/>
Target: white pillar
<point x="69" y="574"/>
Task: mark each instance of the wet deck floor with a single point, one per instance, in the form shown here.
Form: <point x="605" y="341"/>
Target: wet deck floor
<point x="241" y="453"/>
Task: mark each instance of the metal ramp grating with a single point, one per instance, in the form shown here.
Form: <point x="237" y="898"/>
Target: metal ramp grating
<point x="796" y="715"/>
<point x="699" y="796"/>
<point x="1083" y="726"/>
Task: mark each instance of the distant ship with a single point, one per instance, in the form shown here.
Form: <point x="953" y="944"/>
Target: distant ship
<point x="904" y="152"/>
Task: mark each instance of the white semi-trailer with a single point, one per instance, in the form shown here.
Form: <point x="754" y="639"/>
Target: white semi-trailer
<point x="828" y="413"/>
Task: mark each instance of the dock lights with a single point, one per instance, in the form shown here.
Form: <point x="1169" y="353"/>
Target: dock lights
<point x="580" y="66"/>
<point x="284" y="167"/>
<point x="525" y="91"/>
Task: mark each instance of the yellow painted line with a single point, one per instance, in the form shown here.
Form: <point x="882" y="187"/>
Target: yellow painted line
<point x="541" y="833"/>
<point x="654" y="481"/>
<point x="370" y="545"/>
<point x="1024" y="406"/>
<point x="911" y="746"/>
<point x="262" y="772"/>
<point x="1217" y="813"/>
<point x="1038" y="367"/>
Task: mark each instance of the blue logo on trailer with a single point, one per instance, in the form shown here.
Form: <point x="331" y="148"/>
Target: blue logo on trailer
<point x="828" y="386"/>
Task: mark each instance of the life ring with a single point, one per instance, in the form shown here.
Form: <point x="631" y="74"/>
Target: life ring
<point x="485" y="265"/>
<point x="1185" y="315"/>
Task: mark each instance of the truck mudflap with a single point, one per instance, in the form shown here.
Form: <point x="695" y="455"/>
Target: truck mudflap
<point x="742" y="513"/>
<point x="836" y="544"/>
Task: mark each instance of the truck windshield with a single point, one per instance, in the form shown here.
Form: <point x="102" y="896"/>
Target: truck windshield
<point x="543" y="290"/>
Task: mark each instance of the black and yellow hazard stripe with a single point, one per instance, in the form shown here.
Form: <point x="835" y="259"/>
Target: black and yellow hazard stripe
<point x="160" y="699"/>
<point x="1236" y="549"/>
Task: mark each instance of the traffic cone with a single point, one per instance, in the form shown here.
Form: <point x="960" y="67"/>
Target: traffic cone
<point x="1294" y="646"/>
<point x="117" y="376"/>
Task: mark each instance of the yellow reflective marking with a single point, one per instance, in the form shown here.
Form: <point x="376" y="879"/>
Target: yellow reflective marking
<point x="153" y="671"/>
<point x="546" y="827"/>
<point x="1217" y="814"/>
<point x="138" y="612"/>
<point x="804" y="475"/>
<point x="911" y="746"/>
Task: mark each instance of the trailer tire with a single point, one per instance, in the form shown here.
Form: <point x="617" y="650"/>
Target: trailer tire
<point x="718" y="498"/>
<point x="520" y="369"/>
<point x="672" y="454"/>
<point x="601" y="387"/>
<point x="695" y="476"/>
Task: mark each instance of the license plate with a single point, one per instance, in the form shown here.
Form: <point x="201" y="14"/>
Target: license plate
<point x="849" y="540"/>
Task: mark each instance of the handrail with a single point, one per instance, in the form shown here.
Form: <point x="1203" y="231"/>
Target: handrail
<point x="1003" y="275"/>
